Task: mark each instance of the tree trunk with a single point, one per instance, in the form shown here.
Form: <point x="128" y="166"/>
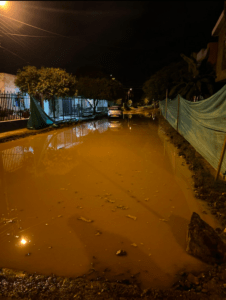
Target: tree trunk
<point x="94" y="106"/>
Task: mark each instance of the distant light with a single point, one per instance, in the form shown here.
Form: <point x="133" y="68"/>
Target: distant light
<point x="23" y="241"/>
<point x="2" y="3"/>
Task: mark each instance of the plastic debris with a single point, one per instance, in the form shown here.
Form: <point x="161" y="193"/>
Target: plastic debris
<point x="98" y="233"/>
<point x="85" y="220"/>
<point x="16" y="236"/>
<point x="132" y="217"/>
<point x="122" y="207"/>
<point x="121" y="253"/>
<point x="111" y="201"/>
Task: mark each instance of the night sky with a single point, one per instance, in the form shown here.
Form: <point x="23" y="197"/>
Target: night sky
<point x="129" y="39"/>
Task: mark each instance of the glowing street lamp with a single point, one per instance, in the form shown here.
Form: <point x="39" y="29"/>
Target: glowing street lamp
<point x="2" y="3"/>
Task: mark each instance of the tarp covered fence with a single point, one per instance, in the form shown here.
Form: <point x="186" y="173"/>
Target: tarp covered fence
<point x="202" y="124"/>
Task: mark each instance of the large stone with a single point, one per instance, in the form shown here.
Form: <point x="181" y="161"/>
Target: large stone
<point x="203" y="242"/>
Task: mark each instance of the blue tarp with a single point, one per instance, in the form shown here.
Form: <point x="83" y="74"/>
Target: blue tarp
<point x="38" y="118"/>
<point x="202" y="124"/>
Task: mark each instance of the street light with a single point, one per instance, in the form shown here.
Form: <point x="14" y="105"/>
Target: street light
<point x="2" y="3"/>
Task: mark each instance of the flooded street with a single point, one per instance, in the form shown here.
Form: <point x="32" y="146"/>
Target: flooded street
<point x="71" y="198"/>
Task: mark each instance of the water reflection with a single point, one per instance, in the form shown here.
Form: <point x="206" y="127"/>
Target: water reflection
<point x="14" y="158"/>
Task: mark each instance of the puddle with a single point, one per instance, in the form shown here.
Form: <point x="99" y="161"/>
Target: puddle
<point x="72" y="198"/>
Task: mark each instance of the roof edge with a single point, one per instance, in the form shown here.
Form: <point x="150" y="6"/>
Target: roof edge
<point x="218" y="25"/>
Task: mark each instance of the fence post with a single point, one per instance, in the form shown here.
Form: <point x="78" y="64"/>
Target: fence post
<point x="178" y="111"/>
<point x="221" y="159"/>
<point x="166" y="103"/>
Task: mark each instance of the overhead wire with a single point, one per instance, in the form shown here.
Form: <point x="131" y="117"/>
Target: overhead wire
<point x="64" y="36"/>
<point x="14" y="54"/>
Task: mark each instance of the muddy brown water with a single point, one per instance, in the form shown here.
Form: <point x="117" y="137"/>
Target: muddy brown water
<point x="124" y="176"/>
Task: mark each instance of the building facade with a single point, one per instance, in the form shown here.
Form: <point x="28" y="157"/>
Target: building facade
<point x="219" y="31"/>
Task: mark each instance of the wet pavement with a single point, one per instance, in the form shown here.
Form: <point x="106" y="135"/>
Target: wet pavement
<point x="71" y="198"/>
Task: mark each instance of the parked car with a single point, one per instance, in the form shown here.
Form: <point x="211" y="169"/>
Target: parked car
<point x="115" y="111"/>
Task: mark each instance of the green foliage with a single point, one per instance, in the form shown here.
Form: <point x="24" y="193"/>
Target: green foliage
<point x="185" y="77"/>
<point x="99" y="89"/>
<point x="166" y="78"/>
<point x="46" y="83"/>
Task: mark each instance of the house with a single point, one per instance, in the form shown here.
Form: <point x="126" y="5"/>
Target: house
<point x="7" y="84"/>
<point x="10" y="96"/>
<point x="219" y="31"/>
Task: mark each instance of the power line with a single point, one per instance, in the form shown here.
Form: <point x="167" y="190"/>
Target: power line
<point x="14" y="54"/>
<point x="33" y="26"/>
<point x="38" y="36"/>
<point x="69" y="37"/>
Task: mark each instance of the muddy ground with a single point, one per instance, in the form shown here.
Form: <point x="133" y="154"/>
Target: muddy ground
<point x="206" y="285"/>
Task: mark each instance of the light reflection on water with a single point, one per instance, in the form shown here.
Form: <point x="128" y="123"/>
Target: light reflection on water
<point x="104" y="171"/>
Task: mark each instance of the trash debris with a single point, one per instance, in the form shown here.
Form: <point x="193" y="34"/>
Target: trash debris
<point x="28" y="254"/>
<point x="132" y="217"/>
<point x="111" y="201"/>
<point x="121" y="253"/>
<point x="8" y="233"/>
<point x="60" y="216"/>
<point x="16" y="236"/>
<point x="134" y="245"/>
<point x="98" y="232"/>
<point x="164" y="220"/>
<point x="122" y="207"/>
<point x="46" y="224"/>
<point x="85" y="220"/>
<point x="50" y="247"/>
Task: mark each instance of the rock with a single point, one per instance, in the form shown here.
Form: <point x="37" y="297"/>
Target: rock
<point x="203" y="242"/>
<point x="218" y="230"/>
<point x="193" y="279"/>
<point x="121" y="253"/>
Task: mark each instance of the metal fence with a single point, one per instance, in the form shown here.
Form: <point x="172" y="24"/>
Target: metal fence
<point x="17" y="106"/>
<point x="70" y="108"/>
<point x="14" y="106"/>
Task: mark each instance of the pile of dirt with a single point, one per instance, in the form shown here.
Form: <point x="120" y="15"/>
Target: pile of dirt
<point x="21" y="285"/>
<point x="205" y="187"/>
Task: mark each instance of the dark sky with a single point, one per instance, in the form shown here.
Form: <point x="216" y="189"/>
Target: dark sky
<point x="130" y="39"/>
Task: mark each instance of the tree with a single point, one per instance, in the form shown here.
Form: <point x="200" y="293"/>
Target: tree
<point x="186" y="77"/>
<point x="146" y="101"/>
<point x="99" y="89"/>
<point x="46" y="83"/>
<point x="130" y="102"/>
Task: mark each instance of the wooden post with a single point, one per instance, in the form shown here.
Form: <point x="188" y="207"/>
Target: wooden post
<point x="166" y="103"/>
<point x="221" y="159"/>
<point x="178" y="110"/>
